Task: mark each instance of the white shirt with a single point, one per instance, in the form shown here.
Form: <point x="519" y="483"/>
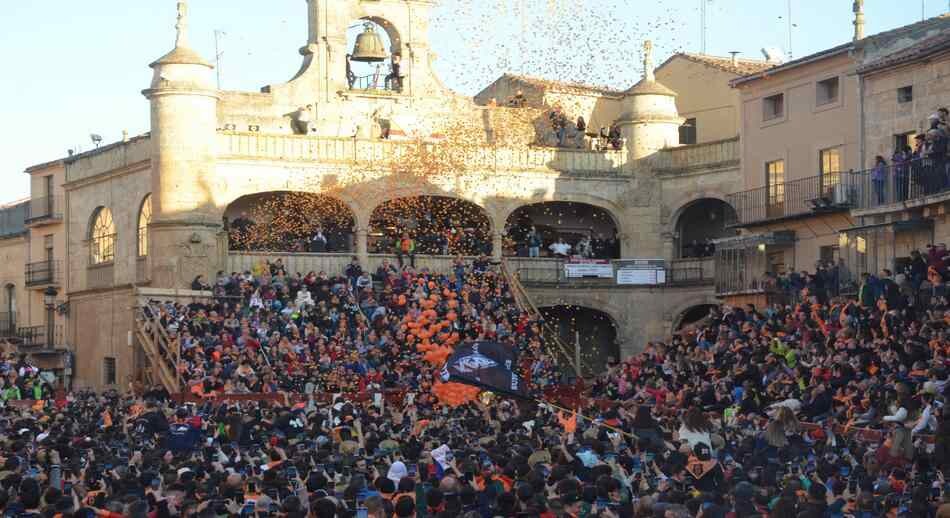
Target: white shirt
<point x="560" y="248"/>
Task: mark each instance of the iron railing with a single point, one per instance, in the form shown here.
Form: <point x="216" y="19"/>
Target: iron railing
<point x="37" y="337"/>
<point x="7" y="324"/>
<point x="901" y="182"/>
<point x="45" y="208"/>
<point x="43" y="272"/>
<point x="815" y="194"/>
<point x="377" y="82"/>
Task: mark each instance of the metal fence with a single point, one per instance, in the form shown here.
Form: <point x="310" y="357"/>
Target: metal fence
<point x="896" y="183"/>
<point x="43" y="272"/>
<point x="822" y="193"/>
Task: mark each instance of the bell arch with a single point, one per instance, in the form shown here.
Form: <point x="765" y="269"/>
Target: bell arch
<point x="374" y="55"/>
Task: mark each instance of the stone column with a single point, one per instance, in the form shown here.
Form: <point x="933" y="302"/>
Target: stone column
<point x="362" y="248"/>
<point x="497" y="245"/>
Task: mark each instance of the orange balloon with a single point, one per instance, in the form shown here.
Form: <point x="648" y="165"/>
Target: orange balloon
<point x="454" y="394"/>
<point x="402" y="300"/>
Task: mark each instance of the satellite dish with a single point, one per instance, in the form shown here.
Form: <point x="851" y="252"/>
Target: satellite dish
<point x="96" y="139"/>
<point x="773" y="55"/>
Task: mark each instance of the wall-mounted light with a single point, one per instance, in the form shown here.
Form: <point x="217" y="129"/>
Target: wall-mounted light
<point x="761" y="247"/>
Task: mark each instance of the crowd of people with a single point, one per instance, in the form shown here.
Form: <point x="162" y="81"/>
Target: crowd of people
<point x="914" y="171"/>
<point x="823" y="406"/>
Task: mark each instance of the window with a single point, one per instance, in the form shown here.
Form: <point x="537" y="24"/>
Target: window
<point x="905" y="94"/>
<point x="828" y="254"/>
<point x="8" y="321"/>
<point x="48" y="246"/>
<point x="829" y="160"/>
<point x="775" y="181"/>
<point x="688" y="131"/>
<point x="773" y="107"/>
<point x="145" y="217"/>
<point x="48" y="185"/>
<point x="108" y="371"/>
<point x="102" y="238"/>
<point x="826" y="91"/>
<point x="904" y="140"/>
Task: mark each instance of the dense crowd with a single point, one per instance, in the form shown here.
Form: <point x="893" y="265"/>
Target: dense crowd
<point x="823" y="406"/>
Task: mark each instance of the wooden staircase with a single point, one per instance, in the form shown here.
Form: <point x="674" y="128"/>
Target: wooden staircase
<point x="162" y="352"/>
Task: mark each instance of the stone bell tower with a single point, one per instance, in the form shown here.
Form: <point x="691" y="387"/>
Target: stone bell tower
<point x="649" y="121"/>
<point x="405" y="22"/>
<point x="184" y="103"/>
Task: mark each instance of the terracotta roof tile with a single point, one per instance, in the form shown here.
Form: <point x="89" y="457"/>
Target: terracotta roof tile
<point x="741" y="67"/>
<point x="564" y="86"/>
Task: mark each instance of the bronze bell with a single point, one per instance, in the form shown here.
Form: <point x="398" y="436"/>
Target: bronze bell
<point x="369" y="46"/>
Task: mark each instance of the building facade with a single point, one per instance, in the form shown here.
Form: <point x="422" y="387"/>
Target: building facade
<point x="145" y="216"/>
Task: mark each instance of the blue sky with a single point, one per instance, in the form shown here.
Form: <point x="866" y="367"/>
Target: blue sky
<point x="74" y="68"/>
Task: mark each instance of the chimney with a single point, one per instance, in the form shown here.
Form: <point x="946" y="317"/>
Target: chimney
<point x="858" y="8"/>
<point x="735" y="58"/>
<point x="125" y="135"/>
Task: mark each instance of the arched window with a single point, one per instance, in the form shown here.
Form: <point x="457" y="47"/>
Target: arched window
<point x="102" y="238"/>
<point x="145" y="217"/>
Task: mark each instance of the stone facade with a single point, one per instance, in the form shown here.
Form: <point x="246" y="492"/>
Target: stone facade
<point x="208" y="148"/>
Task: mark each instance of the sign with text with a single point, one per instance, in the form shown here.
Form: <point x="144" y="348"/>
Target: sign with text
<point x="641" y="272"/>
<point x="591" y="268"/>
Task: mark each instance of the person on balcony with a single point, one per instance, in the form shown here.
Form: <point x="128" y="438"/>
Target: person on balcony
<point x="394" y="79"/>
<point x="900" y="162"/>
<point x="318" y="243"/>
<point x="406" y="247"/>
<point x="534" y="242"/>
<point x="303" y="118"/>
<point x="560" y="248"/>
<point x="879" y="179"/>
<point x="350" y="76"/>
<point x="584" y="248"/>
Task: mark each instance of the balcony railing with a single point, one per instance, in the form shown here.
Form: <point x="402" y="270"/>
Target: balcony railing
<point x="813" y="195"/>
<point x="7" y="324"/>
<point x="377" y="83"/>
<point x="37" y="337"/>
<point x="47" y="208"/>
<point x="721" y="153"/>
<point x="901" y="183"/>
<point x="379" y="155"/>
<point x="43" y="272"/>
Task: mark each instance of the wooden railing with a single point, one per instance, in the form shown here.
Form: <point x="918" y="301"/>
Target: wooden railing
<point x="382" y="152"/>
<point x="163" y="352"/>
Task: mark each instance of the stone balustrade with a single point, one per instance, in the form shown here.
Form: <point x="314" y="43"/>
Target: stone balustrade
<point x="705" y="156"/>
<point x="236" y="145"/>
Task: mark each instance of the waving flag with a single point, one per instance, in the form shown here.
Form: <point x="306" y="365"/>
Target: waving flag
<point x="487" y="365"/>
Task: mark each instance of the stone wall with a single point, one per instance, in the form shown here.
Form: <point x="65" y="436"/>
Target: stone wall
<point x="885" y="117"/>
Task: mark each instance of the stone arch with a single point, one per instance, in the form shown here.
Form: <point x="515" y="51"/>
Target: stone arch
<point x="612" y="208"/>
<point x="554" y="297"/>
<point x="285" y="221"/>
<point x="102" y="236"/>
<point x="584" y="219"/>
<point x="697" y="220"/>
<point x="142" y="221"/>
<point x="679" y="311"/>
<point x="599" y="343"/>
<point x="682" y="204"/>
<point x="436" y="221"/>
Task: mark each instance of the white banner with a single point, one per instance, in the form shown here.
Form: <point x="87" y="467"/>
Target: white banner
<point x="601" y="269"/>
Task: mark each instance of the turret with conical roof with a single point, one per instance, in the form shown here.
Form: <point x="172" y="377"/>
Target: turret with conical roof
<point x="649" y="121"/>
<point x="184" y="104"/>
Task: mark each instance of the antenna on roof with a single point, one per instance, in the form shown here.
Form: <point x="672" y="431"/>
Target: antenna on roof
<point x="95" y="138"/>
<point x="735" y="57"/>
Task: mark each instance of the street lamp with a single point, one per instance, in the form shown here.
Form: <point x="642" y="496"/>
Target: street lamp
<point x="49" y="299"/>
